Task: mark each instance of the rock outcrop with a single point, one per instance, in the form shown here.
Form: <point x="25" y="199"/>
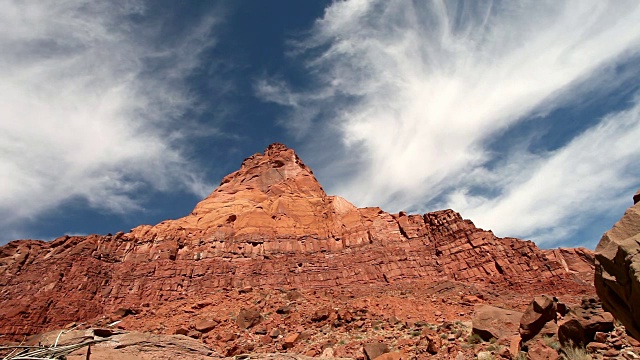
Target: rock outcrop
<point x="541" y="311"/>
<point x="549" y="328"/>
<point x="269" y="224"/>
<point x="581" y="324"/>
<point x="573" y="260"/>
<point x="125" y="345"/>
<point x="492" y="322"/>
<point x="617" y="277"/>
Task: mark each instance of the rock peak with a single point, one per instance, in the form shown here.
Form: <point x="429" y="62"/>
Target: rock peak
<point x="272" y="194"/>
<point x="275" y="147"/>
<point x="276" y="165"/>
<point x="275" y="151"/>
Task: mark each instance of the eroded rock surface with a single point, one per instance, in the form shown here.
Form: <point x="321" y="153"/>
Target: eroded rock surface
<point x="581" y="324"/>
<point x="125" y="345"/>
<point x="617" y="277"/>
<point x="541" y="311"/>
<point x="267" y="225"/>
<point x="573" y="260"/>
<point x="492" y="322"/>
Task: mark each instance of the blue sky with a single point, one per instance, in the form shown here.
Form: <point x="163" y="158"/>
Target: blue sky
<point x="524" y="117"/>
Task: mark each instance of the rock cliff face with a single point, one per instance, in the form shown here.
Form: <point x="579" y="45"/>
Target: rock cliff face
<point x="573" y="260"/>
<point x="617" y="278"/>
<point x="269" y="224"/>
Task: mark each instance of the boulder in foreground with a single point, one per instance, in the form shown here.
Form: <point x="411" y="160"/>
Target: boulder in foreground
<point x="617" y="278"/>
<point x="494" y="322"/>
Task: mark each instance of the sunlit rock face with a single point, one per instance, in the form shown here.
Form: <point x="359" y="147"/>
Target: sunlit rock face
<point x="269" y="224"/>
<point x="617" y="277"/>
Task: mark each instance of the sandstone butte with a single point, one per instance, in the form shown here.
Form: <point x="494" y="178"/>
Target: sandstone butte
<point x="268" y="225"/>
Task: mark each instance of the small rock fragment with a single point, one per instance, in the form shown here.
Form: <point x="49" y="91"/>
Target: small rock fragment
<point x="373" y="350"/>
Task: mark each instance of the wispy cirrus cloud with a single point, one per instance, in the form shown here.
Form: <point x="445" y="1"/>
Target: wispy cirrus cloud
<point x="552" y="195"/>
<point x="92" y="104"/>
<point x="417" y="94"/>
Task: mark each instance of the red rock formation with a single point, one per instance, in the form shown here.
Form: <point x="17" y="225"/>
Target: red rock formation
<point x="268" y="224"/>
<point x="573" y="260"/>
<point x="617" y="276"/>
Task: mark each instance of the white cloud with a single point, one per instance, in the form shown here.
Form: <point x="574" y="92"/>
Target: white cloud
<point x="418" y="90"/>
<point x="565" y="188"/>
<point x="87" y="100"/>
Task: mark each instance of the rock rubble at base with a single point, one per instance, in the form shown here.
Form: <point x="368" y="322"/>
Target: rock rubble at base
<point x="367" y="336"/>
<point x="549" y="329"/>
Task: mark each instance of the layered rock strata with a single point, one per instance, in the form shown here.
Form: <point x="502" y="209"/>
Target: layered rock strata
<point x="573" y="260"/>
<point x="269" y="224"/>
<point x="617" y="277"/>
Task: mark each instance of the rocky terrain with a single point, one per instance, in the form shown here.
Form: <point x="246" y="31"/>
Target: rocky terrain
<point x="269" y="263"/>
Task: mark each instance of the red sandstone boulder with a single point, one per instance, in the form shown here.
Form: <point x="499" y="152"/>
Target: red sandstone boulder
<point x="493" y="322"/>
<point x="433" y="341"/>
<point x="321" y="315"/>
<point x="541" y="310"/>
<point x="396" y="355"/>
<point x="181" y="331"/>
<point x="582" y="323"/>
<point x="248" y="318"/>
<point x="205" y="325"/>
<point x="515" y="345"/>
<point x="538" y="350"/>
<point x="374" y="350"/>
<point x="290" y="340"/>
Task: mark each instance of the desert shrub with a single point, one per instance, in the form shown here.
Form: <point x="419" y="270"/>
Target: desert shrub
<point x="571" y="352"/>
<point x="474" y="339"/>
<point x="521" y="356"/>
<point x="485" y="355"/>
<point x="552" y="343"/>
